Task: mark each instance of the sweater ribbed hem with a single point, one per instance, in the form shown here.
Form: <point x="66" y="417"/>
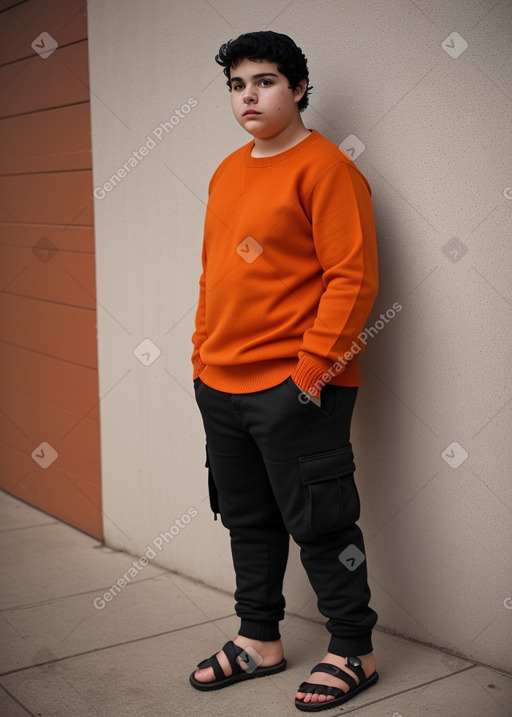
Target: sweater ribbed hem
<point x="249" y="378"/>
<point x="198" y="367"/>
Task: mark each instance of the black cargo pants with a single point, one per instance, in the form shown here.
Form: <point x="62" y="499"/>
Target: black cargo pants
<point x="279" y="465"/>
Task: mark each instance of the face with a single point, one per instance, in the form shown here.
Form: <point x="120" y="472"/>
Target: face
<point x="261" y="98"/>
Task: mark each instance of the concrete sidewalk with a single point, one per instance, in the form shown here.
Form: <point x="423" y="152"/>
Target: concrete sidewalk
<point x="131" y="656"/>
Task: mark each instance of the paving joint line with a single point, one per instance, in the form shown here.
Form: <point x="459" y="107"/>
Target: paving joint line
<point x="110" y="647"/>
<point x="49" y="601"/>
<point x="27" y="527"/>
<point x="17" y="701"/>
<point x="409" y="689"/>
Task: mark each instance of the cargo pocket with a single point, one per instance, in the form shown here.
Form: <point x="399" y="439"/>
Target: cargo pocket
<point x="333" y="500"/>
<point x="212" y="488"/>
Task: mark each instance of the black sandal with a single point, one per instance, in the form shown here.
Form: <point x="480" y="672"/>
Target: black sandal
<point x="354" y="663"/>
<point x="235" y="655"/>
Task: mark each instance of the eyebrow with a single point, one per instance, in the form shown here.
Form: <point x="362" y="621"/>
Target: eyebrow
<point x="259" y="76"/>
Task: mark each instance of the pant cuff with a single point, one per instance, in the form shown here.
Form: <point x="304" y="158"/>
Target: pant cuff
<point x="351" y="646"/>
<point x="264" y="631"/>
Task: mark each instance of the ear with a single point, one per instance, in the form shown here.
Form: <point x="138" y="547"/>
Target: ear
<point x="299" y="91"/>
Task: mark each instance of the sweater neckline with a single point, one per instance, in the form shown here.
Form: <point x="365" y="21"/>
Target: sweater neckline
<point x="274" y="158"/>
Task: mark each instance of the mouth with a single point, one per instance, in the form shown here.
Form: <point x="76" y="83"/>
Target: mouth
<point x="251" y="113"/>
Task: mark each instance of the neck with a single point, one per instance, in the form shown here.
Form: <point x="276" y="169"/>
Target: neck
<point x="288" y="138"/>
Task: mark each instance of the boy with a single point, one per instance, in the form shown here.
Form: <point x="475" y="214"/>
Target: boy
<point x="289" y="278"/>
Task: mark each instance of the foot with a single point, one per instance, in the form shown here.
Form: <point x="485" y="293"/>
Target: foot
<point x="271" y="653"/>
<point x="321" y="678"/>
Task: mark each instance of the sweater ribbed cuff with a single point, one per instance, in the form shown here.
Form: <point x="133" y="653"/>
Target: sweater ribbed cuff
<point x="311" y="375"/>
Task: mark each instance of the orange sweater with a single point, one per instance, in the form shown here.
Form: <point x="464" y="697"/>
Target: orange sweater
<point x="289" y="270"/>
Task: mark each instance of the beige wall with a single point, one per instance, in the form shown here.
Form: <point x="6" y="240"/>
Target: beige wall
<point x="436" y="131"/>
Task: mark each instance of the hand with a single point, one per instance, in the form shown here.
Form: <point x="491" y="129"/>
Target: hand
<point x="315" y="399"/>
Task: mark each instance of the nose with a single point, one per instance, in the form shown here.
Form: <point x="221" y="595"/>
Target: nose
<point x="249" y="94"/>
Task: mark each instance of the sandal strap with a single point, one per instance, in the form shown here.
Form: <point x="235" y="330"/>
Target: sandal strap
<point x="310" y="688"/>
<point x="214" y="663"/>
<point x="354" y="663"/>
<point x="231" y="651"/>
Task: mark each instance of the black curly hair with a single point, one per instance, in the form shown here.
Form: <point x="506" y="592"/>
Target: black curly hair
<point x="270" y="46"/>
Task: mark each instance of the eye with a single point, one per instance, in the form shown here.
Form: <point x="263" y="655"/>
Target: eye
<point x="238" y="86"/>
<point x="267" y="83"/>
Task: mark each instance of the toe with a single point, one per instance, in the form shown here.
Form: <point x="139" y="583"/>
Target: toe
<point x="206" y="675"/>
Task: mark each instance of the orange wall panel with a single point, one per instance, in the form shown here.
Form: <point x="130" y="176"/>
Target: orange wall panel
<point x="53" y="198"/>
<point x="33" y="84"/>
<point x="66" y="237"/>
<point x="48" y="350"/>
<point x="64" y="385"/>
<point x="65" y="277"/>
<point x="27" y="422"/>
<point x="65" y="332"/>
<point x="53" y="490"/>
<point x="64" y="20"/>
<point x="46" y="141"/>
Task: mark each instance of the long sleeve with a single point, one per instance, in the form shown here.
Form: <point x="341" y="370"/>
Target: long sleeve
<point x="345" y="242"/>
<point x="199" y="335"/>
